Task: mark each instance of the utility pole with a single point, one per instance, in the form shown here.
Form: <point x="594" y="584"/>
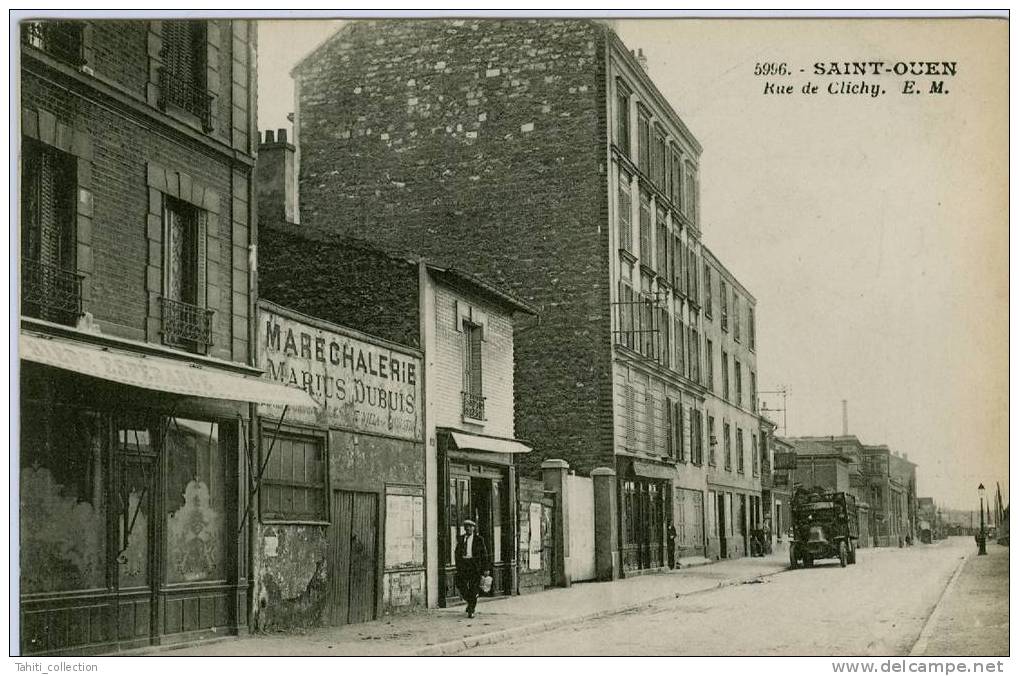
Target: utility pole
<point x="764" y="408"/>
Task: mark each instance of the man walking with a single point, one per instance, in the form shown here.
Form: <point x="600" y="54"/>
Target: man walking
<point x="471" y="563"/>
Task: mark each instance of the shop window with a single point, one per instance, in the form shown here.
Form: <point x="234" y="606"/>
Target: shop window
<point x="182" y="76"/>
<point x="294" y="482"/>
<point x="473" y="399"/>
<point x="197" y="492"/>
<point x="50" y="285"/>
<point x="63" y="510"/>
<point x="186" y="323"/>
<point x="136" y="462"/>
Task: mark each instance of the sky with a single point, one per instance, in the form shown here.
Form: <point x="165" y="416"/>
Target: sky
<point x="873" y="232"/>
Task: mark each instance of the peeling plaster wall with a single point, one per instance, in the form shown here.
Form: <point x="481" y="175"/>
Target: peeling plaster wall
<point x="291" y="584"/>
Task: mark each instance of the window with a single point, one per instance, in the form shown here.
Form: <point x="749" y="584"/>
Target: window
<point x="623" y="119"/>
<point x="677" y="180"/>
<point x="659" y="159"/>
<point x="696" y="440"/>
<point x="294" y="482"/>
<point x="664" y="344"/>
<point x="739" y="450"/>
<point x="707" y="291"/>
<point x="185" y="321"/>
<point x="63" y="502"/>
<point x="754" y="458"/>
<point x="649" y="411"/>
<point x="182" y="77"/>
<point x="626" y="315"/>
<point x="60" y="39"/>
<point x="646" y="332"/>
<point x="690" y="192"/>
<point x="662" y="227"/>
<point x="198" y="488"/>
<point x="728" y="446"/>
<point x="695" y="354"/>
<point x="473" y="399"/>
<point x="680" y="345"/>
<point x="678" y="276"/>
<point x="725" y="375"/>
<point x="645" y="229"/>
<point x="631" y="416"/>
<point x="712" y="441"/>
<point x="723" y="297"/>
<point x="751" y="329"/>
<point x="625" y="212"/>
<point x="643" y="142"/>
<point x="735" y="317"/>
<point x="709" y="362"/>
<point x="753" y="392"/>
<point x="738" y="371"/>
<point x="691" y="271"/>
<point x="674" y="420"/>
<point x="51" y="287"/>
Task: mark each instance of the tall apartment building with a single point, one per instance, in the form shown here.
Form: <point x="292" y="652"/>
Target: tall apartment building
<point x="541" y="155"/>
<point x="137" y="147"/>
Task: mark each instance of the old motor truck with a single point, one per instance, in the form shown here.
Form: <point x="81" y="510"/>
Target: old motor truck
<point x="824" y="527"/>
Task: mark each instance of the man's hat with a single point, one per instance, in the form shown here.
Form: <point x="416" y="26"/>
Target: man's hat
<point x="469" y="522"/>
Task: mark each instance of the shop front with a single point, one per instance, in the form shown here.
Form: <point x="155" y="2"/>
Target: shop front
<point x="645" y="500"/>
<point x="478" y="482"/>
<point x="132" y="494"/>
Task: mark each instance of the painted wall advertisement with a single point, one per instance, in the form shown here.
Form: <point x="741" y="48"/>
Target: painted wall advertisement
<point x="358" y="385"/>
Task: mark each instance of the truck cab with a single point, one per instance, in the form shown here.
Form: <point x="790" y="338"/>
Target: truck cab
<point x="825" y="526"/>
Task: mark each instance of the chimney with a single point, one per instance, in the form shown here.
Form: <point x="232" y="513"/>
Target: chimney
<point x="276" y="176"/>
<point x="845" y="418"/>
<point x="641" y="59"/>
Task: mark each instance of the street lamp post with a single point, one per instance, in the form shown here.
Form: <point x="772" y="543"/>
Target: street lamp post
<point x="982" y="538"/>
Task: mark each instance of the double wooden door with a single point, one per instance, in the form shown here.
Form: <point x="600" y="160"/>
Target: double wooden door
<point x="353" y="556"/>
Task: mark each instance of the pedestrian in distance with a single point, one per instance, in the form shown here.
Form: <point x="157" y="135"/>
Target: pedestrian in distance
<point x="471" y="564"/>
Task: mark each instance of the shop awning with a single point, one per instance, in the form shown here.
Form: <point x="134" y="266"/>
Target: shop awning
<point x="474" y="442"/>
<point x="152" y="372"/>
<point x="652" y="470"/>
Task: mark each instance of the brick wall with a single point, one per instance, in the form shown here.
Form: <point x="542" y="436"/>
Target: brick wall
<point x="483" y="143"/>
<point x="125" y="143"/>
<point x="339" y="282"/>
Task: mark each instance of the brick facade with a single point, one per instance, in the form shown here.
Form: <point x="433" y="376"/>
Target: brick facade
<point x="478" y="142"/>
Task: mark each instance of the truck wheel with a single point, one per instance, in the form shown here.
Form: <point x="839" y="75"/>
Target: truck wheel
<point x="843" y="554"/>
<point x="792" y="557"/>
<point x="808" y="561"/>
<point x="852" y="553"/>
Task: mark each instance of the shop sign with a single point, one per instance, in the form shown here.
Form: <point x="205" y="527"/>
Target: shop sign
<point x="357" y="384"/>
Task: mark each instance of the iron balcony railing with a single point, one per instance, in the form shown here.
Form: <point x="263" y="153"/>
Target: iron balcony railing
<point x="474" y="406"/>
<point x="185" y="92"/>
<point x="50" y="292"/>
<point x="186" y="326"/>
<point x="60" y="39"/>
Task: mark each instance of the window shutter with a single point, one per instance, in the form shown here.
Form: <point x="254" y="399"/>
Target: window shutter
<point x="670" y="423"/>
<point x="649" y="405"/>
<point x="631" y="415"/>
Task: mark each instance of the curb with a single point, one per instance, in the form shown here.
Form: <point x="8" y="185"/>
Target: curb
<point x="461" y="644"/>
<point x="931" y="622"/>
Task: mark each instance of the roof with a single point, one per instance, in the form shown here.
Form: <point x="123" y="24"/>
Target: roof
<point x="816" y="446"/>
<point x="447" y="273"/>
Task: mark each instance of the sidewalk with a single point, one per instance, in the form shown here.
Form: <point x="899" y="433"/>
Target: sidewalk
<point x="447" y="630"/>
<point x="972" y="618"/>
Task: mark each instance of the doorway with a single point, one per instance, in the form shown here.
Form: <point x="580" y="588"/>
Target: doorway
<point x="721" y="521"/>
<point x="353" y="556"/>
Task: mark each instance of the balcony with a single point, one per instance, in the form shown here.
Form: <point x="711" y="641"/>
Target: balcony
<point x="49" y="292"/>
<point x="60" y="39"/>
<point x="473" y="406"/>
<point x="186" y="93"/>
<point x="186" y="326"/>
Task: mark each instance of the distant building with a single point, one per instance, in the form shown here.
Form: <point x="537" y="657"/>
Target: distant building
<point x="540" y="154"/>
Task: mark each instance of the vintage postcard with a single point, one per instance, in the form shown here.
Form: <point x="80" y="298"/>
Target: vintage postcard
<point x="482" y="334"/>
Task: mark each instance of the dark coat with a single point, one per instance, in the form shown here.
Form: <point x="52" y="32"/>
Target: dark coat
<point x="479" y="562"/>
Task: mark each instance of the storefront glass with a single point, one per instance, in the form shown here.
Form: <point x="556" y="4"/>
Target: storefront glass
<point x="196" y="488"/>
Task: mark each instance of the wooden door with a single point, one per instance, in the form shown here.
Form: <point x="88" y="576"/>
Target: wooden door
<point x="353" y="555"/>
